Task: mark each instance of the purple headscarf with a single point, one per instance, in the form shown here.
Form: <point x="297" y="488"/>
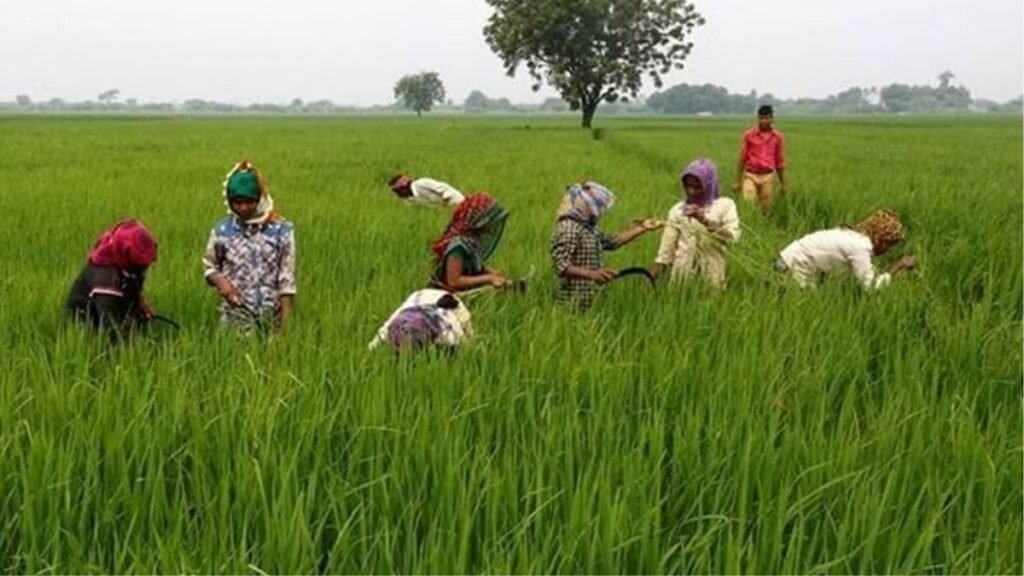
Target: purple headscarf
<point x="705" y="171"/>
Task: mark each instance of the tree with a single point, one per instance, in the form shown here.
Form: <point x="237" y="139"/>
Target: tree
<point x="592" y="51"/>
<point x="918" y="99"/>
<point x="108" y="96"/>
<point x="896" y="97"/>
<point x="687" y="99"/>
<point x="554" y="105"/>
<point x="945" y="78"/>
<point x="23" y="100"/>
<point x="321" y="106"/>
<point x="420" y="92"/>
<point x="952" y="97"/>
<point x="850" y="101"/>
<point x="477" y="100"/>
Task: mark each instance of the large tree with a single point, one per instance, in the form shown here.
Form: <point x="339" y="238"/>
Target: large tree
<point x="108" y="96"/>
<point x="419" y="92"/>
<point x="592" y="51"/>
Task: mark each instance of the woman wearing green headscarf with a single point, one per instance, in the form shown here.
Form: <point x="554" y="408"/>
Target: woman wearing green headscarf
<point x="250" y="257"/>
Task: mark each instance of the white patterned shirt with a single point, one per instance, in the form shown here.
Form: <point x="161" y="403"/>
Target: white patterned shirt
<point x="428" y="192"/>
<point x="458" y="325"/>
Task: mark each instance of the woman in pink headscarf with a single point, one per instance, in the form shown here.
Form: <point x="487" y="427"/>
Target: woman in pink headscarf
<point x="108" y="292"/>
<point x="699" y="228"/>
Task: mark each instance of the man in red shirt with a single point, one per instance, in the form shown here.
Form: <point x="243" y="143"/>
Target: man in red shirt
<point x="761" y="156"/>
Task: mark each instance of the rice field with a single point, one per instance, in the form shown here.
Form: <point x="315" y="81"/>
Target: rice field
<point x="759" y="430"/>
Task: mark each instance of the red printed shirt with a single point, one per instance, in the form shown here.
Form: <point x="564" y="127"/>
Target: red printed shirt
<point x="762" y="152"/>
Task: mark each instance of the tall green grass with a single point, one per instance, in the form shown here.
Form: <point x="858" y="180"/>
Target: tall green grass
<point x="759" y="430"/>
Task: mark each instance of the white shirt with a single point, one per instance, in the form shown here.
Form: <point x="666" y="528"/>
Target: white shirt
<point x="836" y="249"/>
<point x="429" y="192"/>
<point x="687" y="234"/>
<point x="687" y="245"/>
<point x="458" y="325"/>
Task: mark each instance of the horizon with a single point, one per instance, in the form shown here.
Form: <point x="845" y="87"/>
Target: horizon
<point x="73" y="50"/>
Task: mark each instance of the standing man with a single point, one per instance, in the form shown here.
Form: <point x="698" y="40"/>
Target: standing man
<point x="425" y="191"/>
<point x="761" y="156"/>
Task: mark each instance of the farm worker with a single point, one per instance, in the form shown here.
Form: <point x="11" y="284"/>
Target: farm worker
<point x="250" y="256"/>
<point x="577" y="244"/>
<point x="852" y="249"/>
<point x="462" y="251"/>
<point x="425" y="191"/>
<point x="108" y="292"/>
<point x="761" y="156"/>
<point x="699" y="228"/>
<point x="428" y="317"/>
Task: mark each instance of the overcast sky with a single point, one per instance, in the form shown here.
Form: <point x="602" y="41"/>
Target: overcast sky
<point x="353" y="51"/>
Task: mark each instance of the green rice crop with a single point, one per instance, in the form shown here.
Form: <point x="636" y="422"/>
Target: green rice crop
<point x="759" y="430"/>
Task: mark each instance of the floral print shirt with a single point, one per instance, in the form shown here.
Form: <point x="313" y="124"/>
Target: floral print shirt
<point x="259" y="260"/>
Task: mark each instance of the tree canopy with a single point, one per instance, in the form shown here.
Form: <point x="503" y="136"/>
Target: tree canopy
<point x="592" y="51"/>
<point x="108" y="96"/>
<point x="419" y="92"/>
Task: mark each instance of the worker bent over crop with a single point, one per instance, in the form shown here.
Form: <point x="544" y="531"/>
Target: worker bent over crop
<point x="108" y="292"/>
<point x="845" y="248"/>
<point x="462" y="251"/>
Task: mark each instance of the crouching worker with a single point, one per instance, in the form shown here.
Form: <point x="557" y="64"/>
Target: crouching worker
<point x="428" y="318"/>
<point x="462" y="251"/>
<point x="108" y="292"/>
<point x="250" y="256"/>
<point x="844" y="248"/>
<point x="699" y="228"/>
<point x="577" y="244"/>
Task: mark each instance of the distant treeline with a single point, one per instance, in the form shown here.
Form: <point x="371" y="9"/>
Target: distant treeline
<point x="892" y="99"/>
<point x="706" y="99"/>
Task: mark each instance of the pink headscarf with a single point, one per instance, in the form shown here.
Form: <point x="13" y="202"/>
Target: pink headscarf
<point x="129" y="245"/>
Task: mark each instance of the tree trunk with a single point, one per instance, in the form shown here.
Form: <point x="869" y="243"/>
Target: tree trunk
<point x="588" y="113"/>
<point x="419" y="113"/>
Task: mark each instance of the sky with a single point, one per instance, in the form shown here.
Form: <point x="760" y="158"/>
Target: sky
<point x="353" y="51"/>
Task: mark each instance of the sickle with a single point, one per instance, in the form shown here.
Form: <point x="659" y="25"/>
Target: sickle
<point x="518" y="285"/>
<point x="170" y="322"/>
<point x="636" y="271"/>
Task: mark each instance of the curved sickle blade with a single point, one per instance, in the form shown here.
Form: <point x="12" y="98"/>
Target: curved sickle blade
<point x="170" y="322"/>
<point x="637" y="271"/>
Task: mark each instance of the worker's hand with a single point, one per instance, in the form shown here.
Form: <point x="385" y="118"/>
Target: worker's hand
<point x="735" y="186"/>
<point x="907" y="263"/>
<point x="498" y="281"/>
<point x="603" y="275"/>
<point x="146" y="310"/>
<point x="651" y="224"/>
<point x="697" y="214"/>
<point x="227" y="291"/>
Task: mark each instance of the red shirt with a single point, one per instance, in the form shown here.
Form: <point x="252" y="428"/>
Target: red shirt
<point x="761" y="152"/>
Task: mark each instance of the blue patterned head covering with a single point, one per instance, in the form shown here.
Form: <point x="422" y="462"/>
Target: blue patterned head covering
<point x="586" y="202"/>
